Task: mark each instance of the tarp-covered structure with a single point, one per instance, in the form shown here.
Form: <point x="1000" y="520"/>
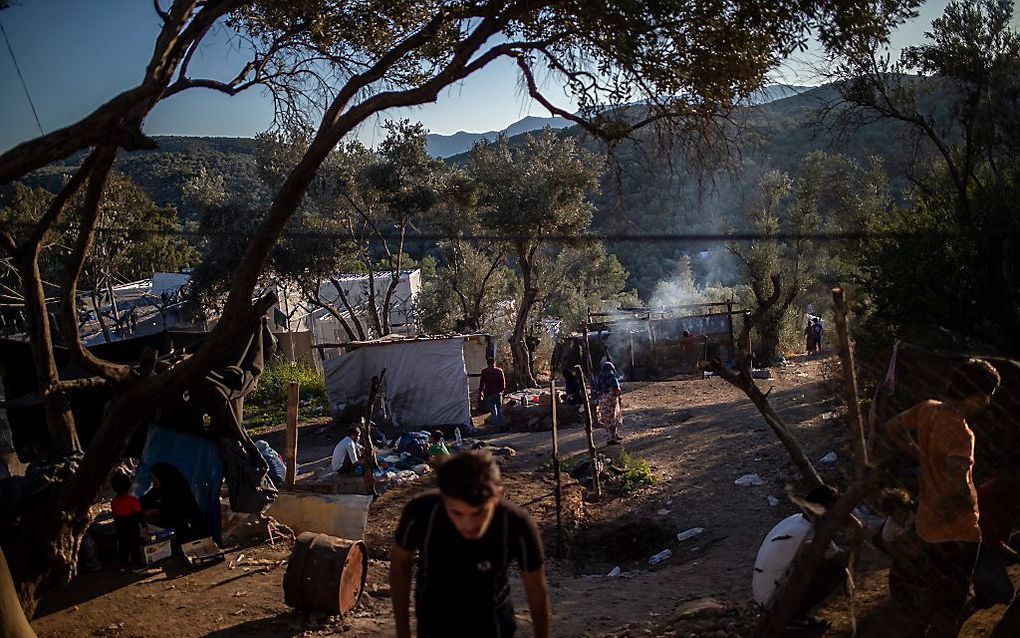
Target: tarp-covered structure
<point x="427" y="382"/>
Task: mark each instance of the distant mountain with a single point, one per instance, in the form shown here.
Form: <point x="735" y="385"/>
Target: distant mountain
<point x="462" y="141"/>
<point x="774" y="92"/>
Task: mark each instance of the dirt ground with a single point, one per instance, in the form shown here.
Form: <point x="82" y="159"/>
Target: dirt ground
<point x="698" y="435"/>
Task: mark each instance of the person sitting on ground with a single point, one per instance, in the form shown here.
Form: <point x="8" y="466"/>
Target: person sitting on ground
<point x="437" y="448"/>
<point x="610" y="398"/>
<point x="277" y="468"/>
<point x="127" y="521"/>
<point x="491" y="384"/>
<point x="937" y="435"/>
<point x="572" y="387"/>
<point x="466" y="536"/>
<point x="345" y="454"/>
<point x="171" y="504"/>
<point x="900" y="542"/>
<point x="774" y="563"/>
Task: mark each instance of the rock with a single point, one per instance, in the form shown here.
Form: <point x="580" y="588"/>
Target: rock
<point x="616" y="571"/>
<point x="749" y="480"/>
<point x="663" y="512"/>
<point x="709" y="606"/>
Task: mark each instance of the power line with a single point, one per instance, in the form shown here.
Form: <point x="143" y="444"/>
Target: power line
<point x="24" y="86"/>
<point x="594" y="236"/>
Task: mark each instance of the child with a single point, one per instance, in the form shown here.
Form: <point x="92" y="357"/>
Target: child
<point x="437" y="451"/>
<point x="127" y="518"/>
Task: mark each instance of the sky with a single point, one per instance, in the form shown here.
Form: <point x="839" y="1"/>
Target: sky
<point x="76" y="54"/>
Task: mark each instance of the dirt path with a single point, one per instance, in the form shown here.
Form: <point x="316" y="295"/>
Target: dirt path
<point x="697" y="435"/>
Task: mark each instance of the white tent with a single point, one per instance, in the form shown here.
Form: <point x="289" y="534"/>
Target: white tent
<point x="426" y="379"/>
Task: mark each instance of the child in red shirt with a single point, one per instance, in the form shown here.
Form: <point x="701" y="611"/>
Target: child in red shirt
<point x="127" y="518"/>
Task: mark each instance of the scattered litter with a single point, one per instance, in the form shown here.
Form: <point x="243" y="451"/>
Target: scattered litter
<point x="392" y="458"/>
<point x="660" y="557"/>
<point x="669" y="503"/>
<point x="616" y="571"/>
<point x="749" y="480"/>
<point x="421" y="469"/>
<point x="663" y="512"/>
<point x="763" y="373"/>
<point x="829" y="458"/>
<point x="691" y="533"/>
<point x="773" y="501"/>
<point x="828" y="416"/>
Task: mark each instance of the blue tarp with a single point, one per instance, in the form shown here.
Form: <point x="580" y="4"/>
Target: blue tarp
<point x="197" y="458"/>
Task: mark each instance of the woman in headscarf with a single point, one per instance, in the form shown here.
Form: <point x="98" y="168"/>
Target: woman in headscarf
<point x="610" y="410"/>
<point x="170" y="504"/>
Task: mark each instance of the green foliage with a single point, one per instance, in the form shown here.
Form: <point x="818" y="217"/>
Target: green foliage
<point x="266" y="406"/>
<point x="637" y="473"/>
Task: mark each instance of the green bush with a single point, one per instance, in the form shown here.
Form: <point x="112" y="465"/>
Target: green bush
<point x="636" y="474"/>
<point x="266" y="406"/>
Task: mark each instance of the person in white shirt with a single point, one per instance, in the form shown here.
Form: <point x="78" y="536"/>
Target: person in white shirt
<point x="345" y="454"/>
<point x="775" y="559"/>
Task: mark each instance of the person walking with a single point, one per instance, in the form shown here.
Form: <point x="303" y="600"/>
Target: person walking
<point x="610" y="402"/>
<point x="491" y="384"/>
<point x="466" y="536"/>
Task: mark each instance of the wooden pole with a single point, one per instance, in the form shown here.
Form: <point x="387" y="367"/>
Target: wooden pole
<point x="589" y="426"/>
<point x="366" y="435"/>
<point x="586" y="351"/>
<point x="850" y="391"/>
<point x="290" y="451"/>
<point x="556" y="472"/>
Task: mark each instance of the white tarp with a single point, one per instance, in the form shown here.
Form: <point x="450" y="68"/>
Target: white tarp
<point x="426" y="381"/>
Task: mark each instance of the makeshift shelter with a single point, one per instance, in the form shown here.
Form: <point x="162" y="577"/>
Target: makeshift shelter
<point x="427" y="378"/>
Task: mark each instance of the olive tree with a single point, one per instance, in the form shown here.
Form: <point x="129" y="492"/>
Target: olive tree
<point x="335" y="65"/>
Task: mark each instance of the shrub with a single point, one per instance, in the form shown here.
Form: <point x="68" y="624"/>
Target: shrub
<point x="636" y="474"/>
<point x="267" y="404"/>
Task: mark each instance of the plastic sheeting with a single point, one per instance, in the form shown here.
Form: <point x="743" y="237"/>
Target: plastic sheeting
<point x="197" y="458"/>
<point x="426" y="381"/>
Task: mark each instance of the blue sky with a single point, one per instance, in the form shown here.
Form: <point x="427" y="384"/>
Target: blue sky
<point x="76" y="54"/>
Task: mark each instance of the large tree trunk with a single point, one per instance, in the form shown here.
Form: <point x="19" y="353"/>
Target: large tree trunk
<point x="518" y="347"/>
<point x="59" y="420"/>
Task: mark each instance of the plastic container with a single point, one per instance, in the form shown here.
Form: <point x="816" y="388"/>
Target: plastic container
<point x="660" y="557"/>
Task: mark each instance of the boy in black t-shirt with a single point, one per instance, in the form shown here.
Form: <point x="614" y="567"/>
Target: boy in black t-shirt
<point x="466" y="536"/>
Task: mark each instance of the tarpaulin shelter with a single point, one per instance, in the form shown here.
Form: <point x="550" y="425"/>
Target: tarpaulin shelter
<point x="211" y="407"/>
<point x="915" y="374"/>
<point x="427" y="378"/>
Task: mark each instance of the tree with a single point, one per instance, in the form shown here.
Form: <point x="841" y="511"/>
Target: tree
<point x="530" y="193"/>
<point x="340" y="64"/>
<point x="769" y="260"/>
<point x="961" y="109"/>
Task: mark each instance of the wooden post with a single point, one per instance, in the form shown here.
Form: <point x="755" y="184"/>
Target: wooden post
<point x="589" y="426"/>
<point x="556" y="472"/>
<point x="846" y="357"/>
<point x="290" y="452"/>
<point x="587" y="354"/>
<point x="366" y="436"/>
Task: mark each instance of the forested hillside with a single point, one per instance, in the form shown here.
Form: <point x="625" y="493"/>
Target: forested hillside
<point x="644" y="190"/>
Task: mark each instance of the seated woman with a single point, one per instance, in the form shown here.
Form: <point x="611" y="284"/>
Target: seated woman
<point x="170" y="504"/>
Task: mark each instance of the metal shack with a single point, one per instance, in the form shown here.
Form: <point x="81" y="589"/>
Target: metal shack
<point x="645" y="342"/>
